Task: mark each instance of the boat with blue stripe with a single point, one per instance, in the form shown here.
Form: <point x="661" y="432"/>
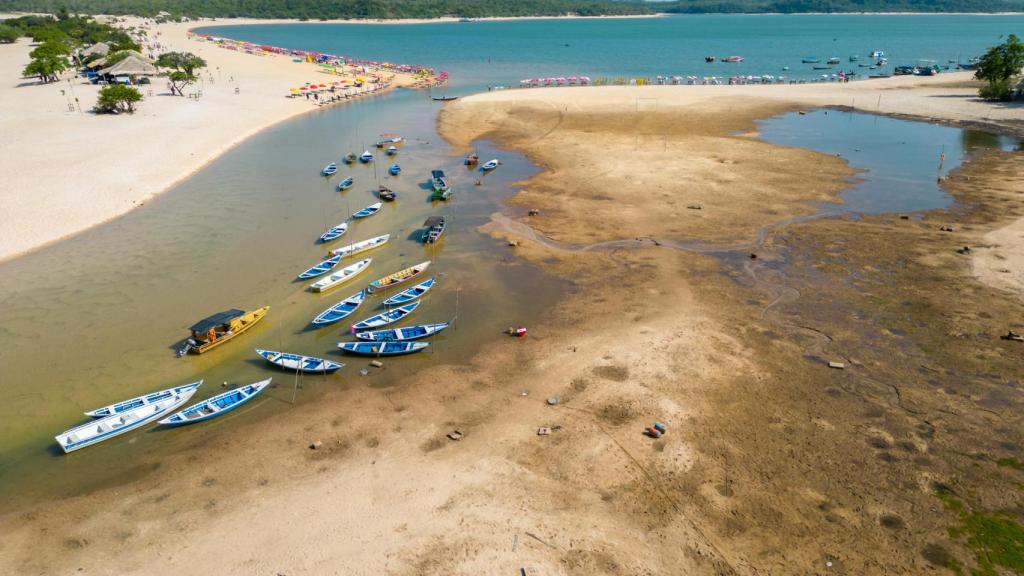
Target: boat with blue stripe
<point x="322" y="268"/>
<point x="329" y="169"/>
<point x="136" y="402"/>
<point x="410" y="294"/>
<point x="382" y="348"/>
<point x="340" y="310"/>
<point x="401" y="334"/>
<point x="395" y="170"/>
<point x="217" y="406"/>
<point x="345" y="184"/>
<point x="106" y="428"/>
<point x="385" y="318"/>
<point x="334" y="233"/>
<point x="298" y="362"/>
<point x="368" y="211"/>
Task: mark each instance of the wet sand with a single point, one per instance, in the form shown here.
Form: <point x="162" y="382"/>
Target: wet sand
<point x="773" y="462"/>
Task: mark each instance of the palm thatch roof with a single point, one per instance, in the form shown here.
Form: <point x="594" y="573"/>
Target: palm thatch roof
<point x="100" y="48"/>
<point x="132" y="66"/>
<point x="101" y="62"/>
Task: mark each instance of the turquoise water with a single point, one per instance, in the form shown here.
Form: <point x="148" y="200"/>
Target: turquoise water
<point x="478" y="54"/>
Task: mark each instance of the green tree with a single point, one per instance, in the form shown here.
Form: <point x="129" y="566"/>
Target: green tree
<point x="117" y="98"/>
<point x="9" y="34"/>
<point x="49" y="59"/>
<point x="183" y="66"/>
<point x="999" y="67"/>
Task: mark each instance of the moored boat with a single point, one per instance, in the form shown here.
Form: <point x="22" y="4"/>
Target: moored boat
<point x="215" y="330"/>
<point x="733" y="59"/>
<point x="366" y="157"/>
<point x="435" y="228"/>
<point x="441" y="194"/>
<point x="709" y="59"/>
<point x="438" y="180"/>
<point x="402" y="334"/>
<point x="339" y="277"/>
<point x="217" y="406"/>
<point x="361" y="246"/>
<point x="299" y="363"/>
<point x="391" y="150"/>
<point x="345" y="184"/>
<point x="329" y="169"/>
<point x="340" y="310"/>
<point x="125" y="421"/>
<point x="490" y="165"/>
<point x="443" y="98"/>
<point x="386" y="194"/>
<point x="471" y="160"/>
<point x="385" y="318"/>
<point x="334" y="233"/>
<point x="410" y="294"/>
<point x="811" y="60"/>
<point x="389" y="138"/>
<point x="395" y="170"/>
<point x="321" y="268"/>
<point x="833" y="60"/>
<point x="368" y="211"/>
<point x="398" y="277"/>
<point x="350" y="158"/>
<point x="382" y="348"/>
<point x="151" y="398"/>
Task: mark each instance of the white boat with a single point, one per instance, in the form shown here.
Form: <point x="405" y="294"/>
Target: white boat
<point x="366" y="157"/>
<point x="368" y="211"/>
<point x="339" y="277"/>
<point x="490" y="165"/>
<point x="126" y="405"/>
<point x="340" y="310"/>
<point x="298" y="362"/>
<point x="362" y="246"/>
<point x="391" y="150"/>
<point x="116" y="424"/>
<point x="385" y="318"/>
<point x="217" y="406"/>
<point x="334" y="233"/>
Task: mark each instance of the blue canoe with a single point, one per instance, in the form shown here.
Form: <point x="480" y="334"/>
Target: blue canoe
<point x="385" y="318"/>
<point x="382" y="348"/>
<point x="400" y="334"/>
<point x="395" y="169"/>
<point x="410" y="294"/>
<point x="321" y="268"/>
<point x="298" y="362"/>
<point x="218" y="405"/>
<point x="340" y="310"/>
<point x="345" y="184"/>
<point x="329" y="169"/>
<point x="334" y="233"/>
<point x="368" y="211"/>
<point x="145" y="400"/>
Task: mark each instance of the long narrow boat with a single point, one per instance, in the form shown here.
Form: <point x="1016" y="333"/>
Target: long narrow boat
<point x="215" y="330"/>
<point x="322" y="268"/>
<point x="136" y="402"/>
<point x="382" y="348"/>
<point x="339" y="277"/>
<point x="366" y="157"/>
<point x="361" y="246"/>
<point x="490" y="165"/>
<point x="329" y="169"/>
<point x="117" y="424"/>
<point x="435" y="228"/>
<point x="345" y="184"/>
<point x="385" y="318"/>
<point x="405" y="333"/>
<point x="410" y="294"/>
<point x="217" y="406"/>
<point x="341" y="309"/>
<point x="368" y="211"/>
<point x="438" y="180"/>
<point x="334" y="233"/>
<point x="398" y="277"/>
<point x="298" y="362"/>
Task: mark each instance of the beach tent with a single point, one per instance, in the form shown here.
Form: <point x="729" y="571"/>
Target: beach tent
<point x="131" y="66"/>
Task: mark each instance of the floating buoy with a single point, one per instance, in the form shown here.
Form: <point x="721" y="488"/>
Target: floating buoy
<point x="519" y="332"/>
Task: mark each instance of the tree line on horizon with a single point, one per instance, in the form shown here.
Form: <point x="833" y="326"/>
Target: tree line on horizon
<point x="393" y="9"/>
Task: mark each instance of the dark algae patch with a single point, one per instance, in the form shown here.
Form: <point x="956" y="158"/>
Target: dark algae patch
<point x="995" y="538"/>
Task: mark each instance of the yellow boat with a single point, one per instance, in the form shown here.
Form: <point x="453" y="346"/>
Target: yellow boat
<point x="398" y="277"/>
<point x="211" y="332"/>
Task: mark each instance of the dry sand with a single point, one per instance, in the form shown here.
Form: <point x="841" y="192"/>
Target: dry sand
<point x="66" y="170"/>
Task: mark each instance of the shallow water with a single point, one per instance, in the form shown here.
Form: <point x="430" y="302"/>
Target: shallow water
<point x="900" y="161"/>
<point x="97" y="319"/>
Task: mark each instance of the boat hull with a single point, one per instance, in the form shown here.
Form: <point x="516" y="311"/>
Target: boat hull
<point x="254" y="317"/>
<point x="172" y="421"/>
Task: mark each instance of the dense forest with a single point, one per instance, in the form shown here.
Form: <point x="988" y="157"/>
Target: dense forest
<point x="387" y="9"/>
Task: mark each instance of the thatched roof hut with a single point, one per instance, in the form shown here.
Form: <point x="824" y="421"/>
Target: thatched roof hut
<point x="131" y="66"/>
<point x="99" y="49"/>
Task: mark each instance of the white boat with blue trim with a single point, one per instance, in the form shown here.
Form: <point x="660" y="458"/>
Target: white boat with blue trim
<point x="329" y="169"/>
<point x="366" y="157"/>
<point x="410" y="294"/>
<point x="368" y="211"/>
<point x="217" y="406"/>
<point x="382" y="348"/>
<point x="490" y="165"/>
<point x="385" y="318"/>
<point x="339" y="277"/>
<point x="299" y="363"/>
<point x="404" y="333"/>
<point x="340" y="310"/>
<point x="361" y="246"/>
<point x="116" y="424"/>
<point x="151" y="398"/>
<point x="334" y="233"/>
<point x="346" y="184"/>
<point x="322" y="268"/>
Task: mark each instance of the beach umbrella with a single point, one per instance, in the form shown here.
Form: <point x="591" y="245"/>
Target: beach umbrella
<point x="294" y="90"/>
